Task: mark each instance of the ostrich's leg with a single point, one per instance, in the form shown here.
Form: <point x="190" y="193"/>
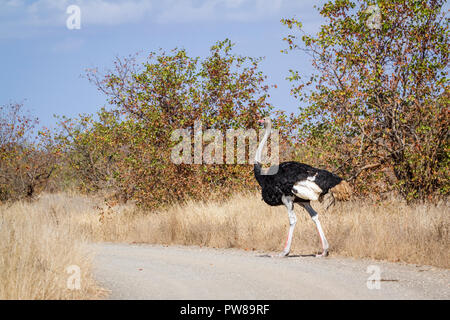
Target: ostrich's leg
<point x="289" y="203"/>
<point x="315" y="218"/>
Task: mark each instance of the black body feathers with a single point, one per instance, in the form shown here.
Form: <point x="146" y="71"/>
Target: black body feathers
<point x="274" y="186"/>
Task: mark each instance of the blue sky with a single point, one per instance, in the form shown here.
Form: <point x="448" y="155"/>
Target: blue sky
<point x="42" y="61"/>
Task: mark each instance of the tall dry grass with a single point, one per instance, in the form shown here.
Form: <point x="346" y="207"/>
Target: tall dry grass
<point x="38" y="241"/>
<point x="391" y="230"/>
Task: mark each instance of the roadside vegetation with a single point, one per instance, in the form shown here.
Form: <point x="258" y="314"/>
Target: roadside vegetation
<point x="390" y="230"/>
<point x="38" y="242"/>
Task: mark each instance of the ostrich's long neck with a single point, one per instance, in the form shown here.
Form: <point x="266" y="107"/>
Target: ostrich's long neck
<point x="258" y="155"/>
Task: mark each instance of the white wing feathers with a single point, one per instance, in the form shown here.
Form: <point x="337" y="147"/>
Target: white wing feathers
<point x="307" y="189"/>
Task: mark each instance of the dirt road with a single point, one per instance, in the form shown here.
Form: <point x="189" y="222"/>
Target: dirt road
<point x="176" y="272"/>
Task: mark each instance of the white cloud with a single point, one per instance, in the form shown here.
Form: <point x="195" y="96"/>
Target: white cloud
<point x="93" y="12"/>
<point x="13" y="3"/>
<point x="217" y="10"/>
<point x="19" y="18"/>
<point x="17" y="15"/>
<point x="101" y="12"/>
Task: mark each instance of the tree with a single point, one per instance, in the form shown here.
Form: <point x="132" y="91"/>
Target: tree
<point x="26" y="161"/>
<point x="169" y="91"/>
<point x="379" y="93"/>
<point x="88" y="151"/>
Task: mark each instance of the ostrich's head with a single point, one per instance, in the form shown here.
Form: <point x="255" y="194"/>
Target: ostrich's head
<point x="266" y="122"/>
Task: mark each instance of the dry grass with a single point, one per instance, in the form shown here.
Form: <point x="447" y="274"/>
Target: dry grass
<point x="37" y="242"/>
<point x="390" y="231"/>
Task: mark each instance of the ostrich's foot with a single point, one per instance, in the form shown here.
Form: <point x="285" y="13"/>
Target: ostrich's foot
<point x="323" y="254"/>
<point x="283" y="254"/>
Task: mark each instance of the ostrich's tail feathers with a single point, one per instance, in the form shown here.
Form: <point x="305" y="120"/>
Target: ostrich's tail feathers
<point x="342" y="191"/>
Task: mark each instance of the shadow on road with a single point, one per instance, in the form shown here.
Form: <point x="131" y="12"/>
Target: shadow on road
<point x="289" y="256"/>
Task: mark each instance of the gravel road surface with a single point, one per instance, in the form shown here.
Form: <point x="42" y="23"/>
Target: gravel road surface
<point x="179" y="272"/>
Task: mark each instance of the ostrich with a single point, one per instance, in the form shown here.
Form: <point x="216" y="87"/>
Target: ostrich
<point x="301" y="183"/>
